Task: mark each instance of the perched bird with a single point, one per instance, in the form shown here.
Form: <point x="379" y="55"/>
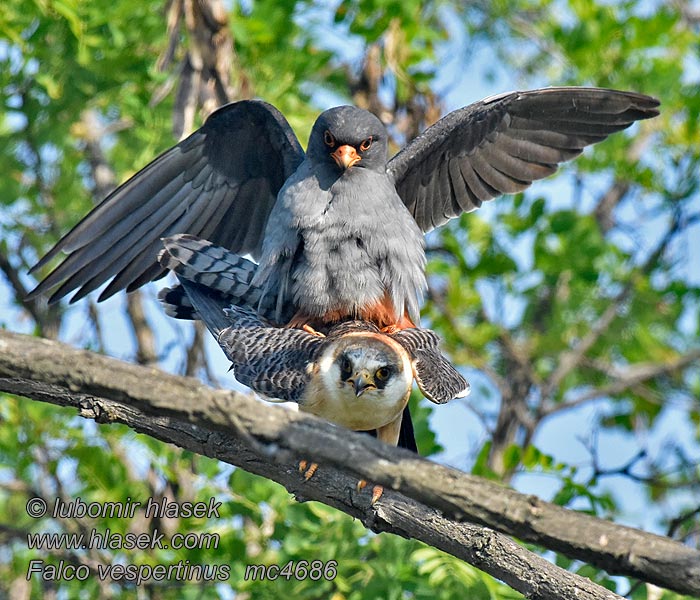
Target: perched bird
<point x="212" y="277"/>
<point x="337" y="232"/>
<point x="355" y="376"/>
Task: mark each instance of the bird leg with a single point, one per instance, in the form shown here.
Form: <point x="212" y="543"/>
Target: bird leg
<point x="403" y="323"/>
<point x="388" y="434"/>
<point x="303" y="321"/>
<point x="377" y="490"/>
<point x="390" y="329"/>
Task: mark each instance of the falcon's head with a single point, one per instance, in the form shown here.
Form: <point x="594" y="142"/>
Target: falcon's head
<point x="364" y="381"/>
<point x="347" y="136"/>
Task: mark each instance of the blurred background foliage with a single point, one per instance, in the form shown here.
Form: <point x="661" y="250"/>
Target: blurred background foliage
<point x="572" y="308"/>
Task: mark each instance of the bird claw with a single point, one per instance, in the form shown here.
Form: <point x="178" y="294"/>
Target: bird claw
<point x="308" y="472"/>
<point x="312" y="331"/>
<point x="377" y="490"/>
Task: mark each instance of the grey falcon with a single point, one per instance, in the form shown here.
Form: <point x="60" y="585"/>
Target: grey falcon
<point x="337" y="232"/>
<point x="355" y="375"/>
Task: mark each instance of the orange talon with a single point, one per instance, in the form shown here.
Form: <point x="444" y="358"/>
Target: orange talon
<point x="390" y="329"/>
<point x="312" y="331"/>
<point x="377" y="492"/>
<point x="312" y="468"/>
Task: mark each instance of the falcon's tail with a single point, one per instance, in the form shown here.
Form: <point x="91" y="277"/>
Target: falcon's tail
<point x="407" y="437"/>
<point x="207" y="306"/>
<point x="226" y="276"/>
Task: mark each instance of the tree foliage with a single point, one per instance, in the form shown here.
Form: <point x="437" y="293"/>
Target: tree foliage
<point x="576" y="300"/>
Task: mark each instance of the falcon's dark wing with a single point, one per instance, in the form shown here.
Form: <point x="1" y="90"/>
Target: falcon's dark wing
<point x="502" y="144"/>
<point x="436" y="378"/>
<point x="220" y="184"/>
<point x="272" y="361"/>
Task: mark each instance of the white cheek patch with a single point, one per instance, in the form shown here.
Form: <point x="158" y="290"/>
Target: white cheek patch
<point x="396" y="389"/>
<point x="326" y="362"/>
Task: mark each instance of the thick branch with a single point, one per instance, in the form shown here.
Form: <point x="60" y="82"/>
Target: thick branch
<point x="480" y="546"/>
<point x="266" y="440"/>
<point x="205" y="70"/>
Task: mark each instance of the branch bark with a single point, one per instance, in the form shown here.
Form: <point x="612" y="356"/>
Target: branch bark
<point x="208" y="63"/>
<point x="434" y="501"/>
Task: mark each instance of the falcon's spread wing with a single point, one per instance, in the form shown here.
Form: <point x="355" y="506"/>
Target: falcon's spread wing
<point x="502" y="144"/>
<point x="270" y="360"/>
<point x="220" y="183"/>
<point x="274" y="361"/>
<point x="436" y="378"/>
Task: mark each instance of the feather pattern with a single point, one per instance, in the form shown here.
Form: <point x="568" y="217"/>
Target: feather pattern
<point x="333" y="241"/>
<point x="226" y="275"/>
<point x="502" y="144"/>
<point x="220" y="182"/>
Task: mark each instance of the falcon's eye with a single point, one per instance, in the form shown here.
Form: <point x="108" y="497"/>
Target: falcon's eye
<point x="382" y="374"/>
<point x="328" y="139"/>
<point x="345" y="367"/>
<point x="366" y="144"/>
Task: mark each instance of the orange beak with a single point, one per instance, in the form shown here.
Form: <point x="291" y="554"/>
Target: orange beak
<point x="346" y="156"/>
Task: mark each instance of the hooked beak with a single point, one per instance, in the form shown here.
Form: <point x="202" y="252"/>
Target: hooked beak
<point x="361" y="382"/>
<point x="346" y="156"/>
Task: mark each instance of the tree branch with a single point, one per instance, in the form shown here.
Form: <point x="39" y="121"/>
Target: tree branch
<point x="46" y="317"/>
<point x="571" y="359"/>
<point x="627" y="379"/>
<point x="143" y="333"/>
<point x="207" y="65"/>
<point x="267" y="441"/>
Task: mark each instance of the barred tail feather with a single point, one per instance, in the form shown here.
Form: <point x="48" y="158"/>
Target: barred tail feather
<point x="226" y="275"/>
